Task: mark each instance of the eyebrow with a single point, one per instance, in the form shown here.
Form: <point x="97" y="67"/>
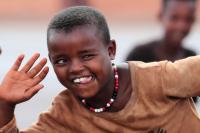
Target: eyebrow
<point x="81" y="52"/>
<point x="55" y="56"/>
<point x="88" y="50"/>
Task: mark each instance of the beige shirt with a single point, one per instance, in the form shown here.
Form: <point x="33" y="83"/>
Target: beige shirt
<point x="160" y="100"/>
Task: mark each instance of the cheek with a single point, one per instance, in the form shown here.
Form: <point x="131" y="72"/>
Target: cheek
<point x="169" y="25"/>
<point x="188" y="27"/>
<point x="103" y="69"/>
<point x="61" y="76"/>
<point x="169" y="28"/>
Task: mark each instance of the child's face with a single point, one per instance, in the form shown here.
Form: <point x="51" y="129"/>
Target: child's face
<point x="177" y="19"/>
<point x="81" y="60"/>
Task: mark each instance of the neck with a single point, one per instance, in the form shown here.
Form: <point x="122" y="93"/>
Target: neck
<point x="170" y="47"/>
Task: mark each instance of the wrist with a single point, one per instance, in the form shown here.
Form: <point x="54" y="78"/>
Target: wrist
<point x="6" y="105"/>
<point x="6" y="112"/>
<point x="4" y="101"/>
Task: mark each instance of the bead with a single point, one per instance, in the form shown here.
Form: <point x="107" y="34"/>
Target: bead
<point x="83" y="100"/>
<point x="108" y="105"/>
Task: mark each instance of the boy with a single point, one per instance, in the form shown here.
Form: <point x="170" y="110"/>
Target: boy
<point x="177" y="18"/>
<point x="130" y="98"/>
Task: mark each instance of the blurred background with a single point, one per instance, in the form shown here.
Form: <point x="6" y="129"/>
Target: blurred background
<point x="23" y="25"/>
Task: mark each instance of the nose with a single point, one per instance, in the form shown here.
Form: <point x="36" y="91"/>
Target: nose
<point x="76" y="66"/>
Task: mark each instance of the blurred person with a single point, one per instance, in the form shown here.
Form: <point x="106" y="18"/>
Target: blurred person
<point x="177" y="18"/>
<point x="101" y="97"/>
<point x="68" y="3"/>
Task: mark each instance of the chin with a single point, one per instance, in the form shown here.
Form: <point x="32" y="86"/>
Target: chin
<point x="88" y="94"/>
<point x="176" y="42"/>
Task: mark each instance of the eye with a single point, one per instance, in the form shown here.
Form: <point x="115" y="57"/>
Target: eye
<point x="60" y="61"/>
<point x="88" y="56"/>
<point x="190" y="19"/>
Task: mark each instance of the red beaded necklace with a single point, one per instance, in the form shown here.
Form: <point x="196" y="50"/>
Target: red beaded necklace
<point x="112" y="99"/>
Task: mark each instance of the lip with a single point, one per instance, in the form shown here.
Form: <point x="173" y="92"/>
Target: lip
<point x="179" y="34"/>
<point x="83" y="79"/>
<point x="83" y="87"/>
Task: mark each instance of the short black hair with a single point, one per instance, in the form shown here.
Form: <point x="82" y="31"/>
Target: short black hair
<point x="165" y="3"/>
<point x="73" y="17"/>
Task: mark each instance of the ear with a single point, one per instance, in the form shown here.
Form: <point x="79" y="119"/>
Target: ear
<point x="112" y="49"/>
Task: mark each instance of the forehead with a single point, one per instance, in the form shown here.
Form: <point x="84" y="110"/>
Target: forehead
<point x="80" y="37"/>
<point x="88" y="31"/>
<point x="185" y="9"/>
<point x="184" y="5"/>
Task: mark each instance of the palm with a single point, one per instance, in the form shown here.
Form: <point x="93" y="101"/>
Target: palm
<point x="21" y="85"/>
<point x="17" y="84"/>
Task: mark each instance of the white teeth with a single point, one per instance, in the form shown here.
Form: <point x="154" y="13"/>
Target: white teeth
<point x="82" y="79"/>
<point x="77" y="81"/>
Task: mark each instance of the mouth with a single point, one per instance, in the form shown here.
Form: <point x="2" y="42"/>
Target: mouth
<point x="82" y="80"/>
<point x="178" y="34"/>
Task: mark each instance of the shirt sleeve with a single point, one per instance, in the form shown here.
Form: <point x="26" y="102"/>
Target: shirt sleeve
<point x="182" y="78"/>
<point x="45" y="124"/>
<point x="56" y="119"/>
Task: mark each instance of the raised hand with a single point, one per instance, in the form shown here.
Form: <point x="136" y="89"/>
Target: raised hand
<point x="20" y="85"/>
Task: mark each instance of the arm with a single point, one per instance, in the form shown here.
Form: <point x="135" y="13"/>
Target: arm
<point x="19" y="85"/>
<point x="182" y="78"/>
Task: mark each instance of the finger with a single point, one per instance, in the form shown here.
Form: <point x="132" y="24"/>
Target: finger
<point x="30" y="63"/>
<point x="37" y="68"/>
<point x="17" y="63"/>
<point x="31" y="92"/>
<point x="41" y="76"/>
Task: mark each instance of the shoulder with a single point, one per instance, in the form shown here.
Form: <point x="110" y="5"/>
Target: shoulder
<point x="189" y="52"/>
<point x="144" y="65"/>
<point x="146" y="46"/>
<point x="147" y="79"/>
<point x="143" y="52"/>
<point x="144" y="70"/>
<point x="65" y="97"/>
